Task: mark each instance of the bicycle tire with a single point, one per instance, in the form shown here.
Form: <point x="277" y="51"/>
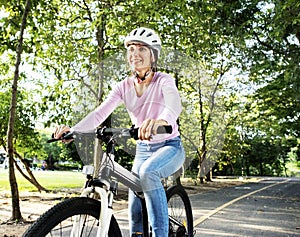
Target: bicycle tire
<point x="180" y="212"/>
<point x="58" y="220"/>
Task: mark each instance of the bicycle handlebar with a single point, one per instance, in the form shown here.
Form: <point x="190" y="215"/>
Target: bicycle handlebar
<point x="101" y="133"/>
<point x="131" y="132"/>
<point x="65" y="136"/>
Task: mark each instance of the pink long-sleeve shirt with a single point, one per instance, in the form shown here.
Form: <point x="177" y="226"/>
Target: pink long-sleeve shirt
<point x="160" y="100"/>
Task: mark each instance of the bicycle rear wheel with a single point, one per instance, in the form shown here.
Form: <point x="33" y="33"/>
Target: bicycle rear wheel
<point x="58" y="221"/>
<point x="180" y="212"/>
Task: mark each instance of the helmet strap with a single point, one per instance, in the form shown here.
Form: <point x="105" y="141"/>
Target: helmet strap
<point x="147" y="74"/>
<point x="141" y="79"/>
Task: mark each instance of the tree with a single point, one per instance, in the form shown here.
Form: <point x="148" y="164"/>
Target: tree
<point x="16" y="213"/>
<point x="265" y="48"/>
<point x="77" y="47"/>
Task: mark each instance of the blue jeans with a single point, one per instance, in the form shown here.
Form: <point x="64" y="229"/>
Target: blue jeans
<point x="153" y="162"/>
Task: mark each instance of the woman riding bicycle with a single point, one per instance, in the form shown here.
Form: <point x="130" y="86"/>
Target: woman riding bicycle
<point x="152" y="100"/>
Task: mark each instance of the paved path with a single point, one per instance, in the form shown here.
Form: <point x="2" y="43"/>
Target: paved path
<point x="269" y="208"/>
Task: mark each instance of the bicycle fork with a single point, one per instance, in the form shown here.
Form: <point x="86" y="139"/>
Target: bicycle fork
<point x="105" y="212"/>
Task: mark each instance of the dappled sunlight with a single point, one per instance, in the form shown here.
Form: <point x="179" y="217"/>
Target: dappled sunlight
<point x="265" y="210"/>
<point x="269" y="228"/>
<point x="212" y="232"/>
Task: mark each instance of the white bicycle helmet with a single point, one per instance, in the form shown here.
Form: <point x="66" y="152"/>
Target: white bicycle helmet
<point x="145" y="36"/>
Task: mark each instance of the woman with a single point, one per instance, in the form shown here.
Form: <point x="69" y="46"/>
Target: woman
<point x="152" y="100"/>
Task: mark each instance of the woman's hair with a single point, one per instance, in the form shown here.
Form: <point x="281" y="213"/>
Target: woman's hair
<point x="154" y="64"/>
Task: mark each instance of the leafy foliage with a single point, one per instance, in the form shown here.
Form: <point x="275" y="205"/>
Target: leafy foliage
<point x="247" y="50"/>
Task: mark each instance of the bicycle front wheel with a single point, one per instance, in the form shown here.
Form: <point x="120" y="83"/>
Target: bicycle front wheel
<point x="180" y="212"/>
<point x="59" y="220"/>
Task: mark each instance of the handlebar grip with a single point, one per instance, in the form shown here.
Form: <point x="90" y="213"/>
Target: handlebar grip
<point x="53" y="140"/>
<point x="164" y="129"/>
<point x="65" y="136"/>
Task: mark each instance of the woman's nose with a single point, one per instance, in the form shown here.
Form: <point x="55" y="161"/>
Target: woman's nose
<point x="135" y="51"/>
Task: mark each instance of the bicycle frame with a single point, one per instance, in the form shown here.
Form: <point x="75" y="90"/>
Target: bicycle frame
<point x="110" y="174"/>
<point x="92" y="214"/>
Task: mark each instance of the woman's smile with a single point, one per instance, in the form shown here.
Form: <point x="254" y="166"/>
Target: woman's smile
<point x="139" y="56"/>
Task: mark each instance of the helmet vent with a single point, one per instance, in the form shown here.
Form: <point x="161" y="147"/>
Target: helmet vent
<point x="143" y="31"/>
<point x="144" y="36"/>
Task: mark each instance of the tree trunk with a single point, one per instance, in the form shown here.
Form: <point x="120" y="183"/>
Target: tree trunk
<point x="209" y="175"/>
<point x="31" y="177"/>
<point x="16" y="213"/>
<point x="201" y="171"/>
<point x="202" y="157"/>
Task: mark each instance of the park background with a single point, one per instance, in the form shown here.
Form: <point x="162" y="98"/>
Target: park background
<point x="236" y="64"/>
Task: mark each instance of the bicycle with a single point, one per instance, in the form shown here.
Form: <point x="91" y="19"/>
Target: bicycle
<point x="91" y="214"/>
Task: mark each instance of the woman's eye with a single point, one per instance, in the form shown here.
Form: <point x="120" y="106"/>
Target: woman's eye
<point x="131" y="50"/>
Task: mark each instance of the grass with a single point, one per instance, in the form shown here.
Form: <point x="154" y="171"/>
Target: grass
<point x="51" y="180"/>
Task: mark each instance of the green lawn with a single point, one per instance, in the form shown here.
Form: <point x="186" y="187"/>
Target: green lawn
<point x="52" y="180"/>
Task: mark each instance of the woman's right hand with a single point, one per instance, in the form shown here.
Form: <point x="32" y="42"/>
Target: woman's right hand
<point x="60" y="130"/>
<point x="149" y="128"/>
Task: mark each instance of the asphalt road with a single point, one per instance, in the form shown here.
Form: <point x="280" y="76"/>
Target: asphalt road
<point x="268" y="208"/>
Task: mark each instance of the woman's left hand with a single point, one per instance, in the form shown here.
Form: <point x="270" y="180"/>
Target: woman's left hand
<point x="149" y="128"/>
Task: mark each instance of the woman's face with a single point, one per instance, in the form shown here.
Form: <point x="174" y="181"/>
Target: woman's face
<point x="139" y="57"/>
